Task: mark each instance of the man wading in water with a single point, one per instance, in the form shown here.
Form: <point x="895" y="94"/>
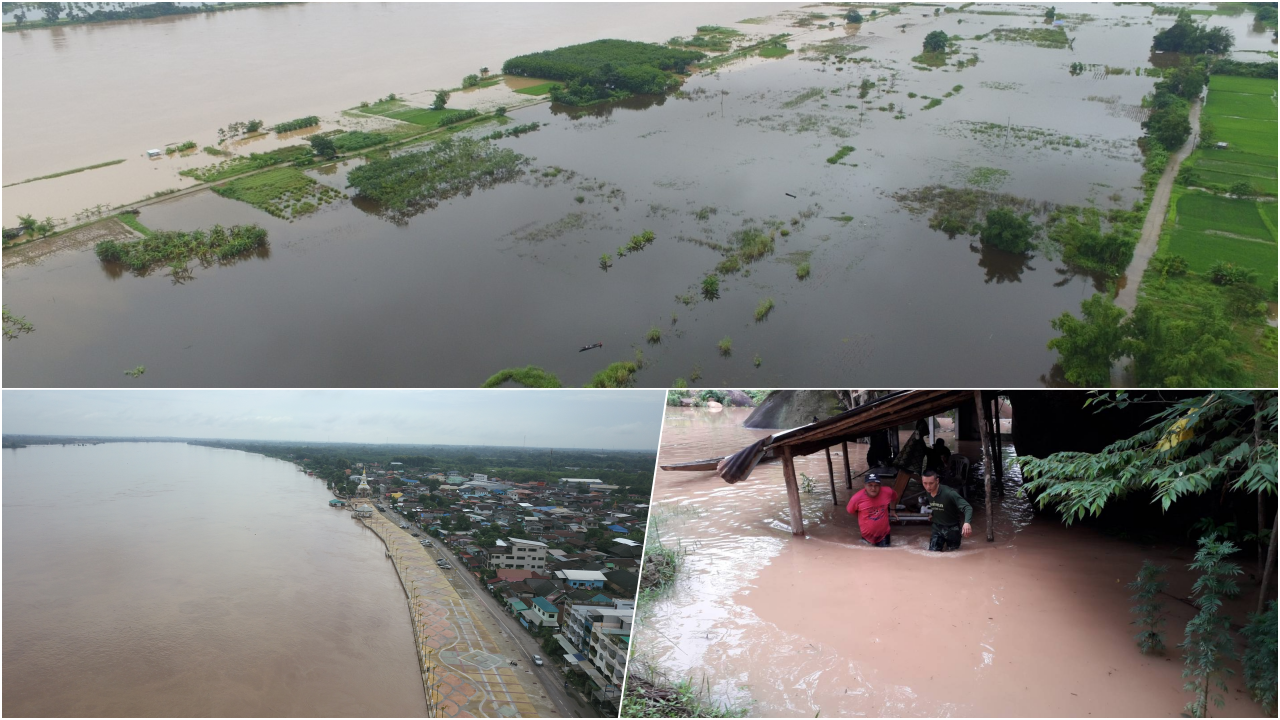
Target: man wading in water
<point x="873" y="507"/>
<point x="946" y="506"/>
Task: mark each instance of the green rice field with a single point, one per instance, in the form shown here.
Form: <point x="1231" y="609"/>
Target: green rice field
<point x="1243" y="113"/>
<point x="1202" y="211"/>
<point x="542" y="89"/>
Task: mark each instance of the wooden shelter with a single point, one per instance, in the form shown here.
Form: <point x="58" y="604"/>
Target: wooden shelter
<point x="888" y="412"/>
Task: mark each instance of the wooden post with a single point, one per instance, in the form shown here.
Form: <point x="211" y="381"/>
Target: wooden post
<point x="849" y="473"/>
<point x="831" y="473"/>
<point x="986" y="460"/>
<point x="1269" y="569"/>
<point x="999" y="443"/>
<point x="793" y="491"/>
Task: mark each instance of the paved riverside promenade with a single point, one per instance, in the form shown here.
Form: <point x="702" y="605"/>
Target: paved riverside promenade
<point x="465" y="667"/>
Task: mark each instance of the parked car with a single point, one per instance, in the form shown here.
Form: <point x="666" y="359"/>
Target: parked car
<point x="537" y="659"/>
<point x="415" y="534"/>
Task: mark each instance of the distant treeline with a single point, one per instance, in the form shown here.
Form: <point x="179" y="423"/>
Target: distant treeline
<point x="300" y="123"/>
<point x="605" y="69"/>
<point x="56" y="13"/>
<point x="1244" y="69"/>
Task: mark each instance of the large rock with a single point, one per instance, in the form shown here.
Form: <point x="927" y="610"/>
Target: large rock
<point x="737" y="398"/>
<point x="786" y="409"/>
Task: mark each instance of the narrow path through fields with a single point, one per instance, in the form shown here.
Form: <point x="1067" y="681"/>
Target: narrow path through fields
<point x="1127" y="297"/>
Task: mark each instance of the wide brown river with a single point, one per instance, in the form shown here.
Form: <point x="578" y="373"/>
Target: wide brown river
<point x="510" y="276"/>
<point x="161" y="579"/>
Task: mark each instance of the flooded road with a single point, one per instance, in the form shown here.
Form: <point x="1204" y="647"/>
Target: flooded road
<point x="510" y="276"/>
<point x="162" y="579"/>
<point x="1036" y="624"/>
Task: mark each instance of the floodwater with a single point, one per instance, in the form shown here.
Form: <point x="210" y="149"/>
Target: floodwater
<point x="1034" y="624"/>
<point x="87" y="94"/>
<point x="510" y="276"/>
<point x="164" y="579"/>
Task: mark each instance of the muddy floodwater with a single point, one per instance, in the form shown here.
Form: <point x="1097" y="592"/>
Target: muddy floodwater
<point x="511" y="276"/>
<point x="1034" y="624"/>
<point x="158" y="579"/>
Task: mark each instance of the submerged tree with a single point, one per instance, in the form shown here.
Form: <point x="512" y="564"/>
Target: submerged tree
<point x="1008" y="231"/>
<point x="935" y="42"/>
<point x="1089" y="345"/>
<point x="1208" y="644"/>
<point x="1259" y="657"/>
<point x="1150" y="610"/>
<point x="853" y="17"/>
<point x="442" y="98"/>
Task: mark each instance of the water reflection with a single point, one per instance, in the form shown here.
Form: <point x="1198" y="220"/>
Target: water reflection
<point x="604" y="110"/>
<point x="1001" y="266"/>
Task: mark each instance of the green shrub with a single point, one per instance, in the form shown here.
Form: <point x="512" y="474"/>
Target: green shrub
<point x="725" y="346"/>
<point x="1008" y="231"/>
<point x="529" y="376"/>
<point x="1259" y="657"/>
<point x="802" y="271"/>
<point x="1225" y="273"/>
<point x="1149" y="610"/>
<point x="298" y="124"/>
<point x="763" y="309"/>
<point x="617" y="375"/>
<point x="711" y="287"/>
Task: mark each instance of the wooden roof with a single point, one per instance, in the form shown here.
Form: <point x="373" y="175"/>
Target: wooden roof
<point x="887" y="412"/>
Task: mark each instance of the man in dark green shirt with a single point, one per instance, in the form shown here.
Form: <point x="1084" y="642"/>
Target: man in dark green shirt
<point x="946" y="508"/>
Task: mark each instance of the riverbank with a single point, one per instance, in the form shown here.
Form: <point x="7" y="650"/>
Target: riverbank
<point x="464" y="668"/>
<point x="418" y="50"/>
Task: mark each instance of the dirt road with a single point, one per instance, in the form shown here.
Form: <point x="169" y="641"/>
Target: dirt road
<point x="1127" y="298"/>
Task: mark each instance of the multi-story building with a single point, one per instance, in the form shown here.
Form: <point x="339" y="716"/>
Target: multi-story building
<point x="609" y="647"/>
<point x="518" y="554"/>
<point x="582" y="618"/>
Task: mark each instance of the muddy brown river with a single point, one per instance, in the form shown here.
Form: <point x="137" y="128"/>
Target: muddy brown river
<point x="163" y="580"/>
<point x="510" y="276"/>
<point x="1034" y="624"/>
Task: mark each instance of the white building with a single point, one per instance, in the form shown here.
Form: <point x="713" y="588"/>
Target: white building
<point x="581" y="481"/>
<point x="479" y="477"/>
<point x="518" y="554"/>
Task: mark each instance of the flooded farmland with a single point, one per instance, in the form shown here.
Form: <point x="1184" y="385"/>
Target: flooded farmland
<point x="1034" y="624"/>
<point x="511" y="276"/>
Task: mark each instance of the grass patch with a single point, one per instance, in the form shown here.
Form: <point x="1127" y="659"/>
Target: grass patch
<point x="763" y="309"/>
<point x="132" y="221"/>
<point x="617" y="375"/>
<point x="530" y="376"/>
<point x="428" y="118"/>
<point x="804" y="96"/>
<point x="841" y="154"/>
<point x="67" y="172"/>
<point x="774" y="51"/>
<point x="802" y="270"/>
<point x="285" y="193"/>
<point x="931" y="59"/>
<point x="725" y="346"/>
<point x="176" y="249"/>
<point x="933" y="103"/>
<point x="241" y="164"/>
<point x="654" y="336"/>
<point x="1053" y="38"/>
<point x="540" y="89"/>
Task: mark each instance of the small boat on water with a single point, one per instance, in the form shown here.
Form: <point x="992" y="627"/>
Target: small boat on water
<point x="585" y="348"/>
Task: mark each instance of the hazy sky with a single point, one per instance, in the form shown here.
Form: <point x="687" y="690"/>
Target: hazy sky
<point x="613" y="419"/>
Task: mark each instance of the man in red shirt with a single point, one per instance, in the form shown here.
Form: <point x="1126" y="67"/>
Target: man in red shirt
<point x="874" y="506"/>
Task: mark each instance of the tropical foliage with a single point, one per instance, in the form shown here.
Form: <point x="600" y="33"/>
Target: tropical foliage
<point x="176" y="249"/>
<point x="408" y="184"/>
<point x="298" y="124"/>
<point x="1149" y="610"/>
<point x="1192" y="447"/>
<point x="605" y="69"/>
